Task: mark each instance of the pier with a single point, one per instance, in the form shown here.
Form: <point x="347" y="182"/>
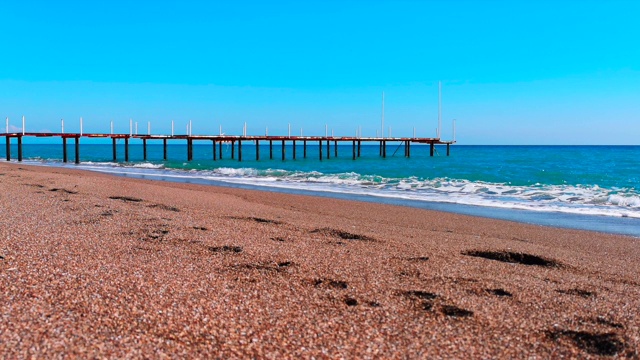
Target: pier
<point x="325" y="144"/>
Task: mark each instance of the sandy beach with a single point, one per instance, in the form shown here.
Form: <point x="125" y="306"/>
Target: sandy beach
<point x="93" y="265"/>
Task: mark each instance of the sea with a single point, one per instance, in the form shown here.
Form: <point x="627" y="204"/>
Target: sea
<point x="581" y="187"/>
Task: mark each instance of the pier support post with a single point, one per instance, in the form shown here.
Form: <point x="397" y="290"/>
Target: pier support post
<point x="431" y="148"/>
<point x="380" y="148"/>
<point x="448" y="151"/>
<point x="164" y="149"/>
<point x="189" y="149"/>
<point x="328" y="149"/>
<point x="144" y="149"/>
<point x="8" y="144"/>
<point x="113" y="149"/>
<point x="384" y="148"/>
<point x="77" y="149"/>
<point x="126" y="149"/>
<point x="257" y="150"/>
<point x="65" y="157"/>
<point x="19" y="147"/>
<point x="354" y="149"/>
<point x="304" y="148"/>
<point x="283" y="158"/>
<point x="320" y="148"/>
<point x="271" y="149"/>
<point x="213" y="149"/>
<point x="408" y="148"/>
<point x="359" y="146"/>
<point x="233" y="149"/>
<point x="220" y="150"/>
<point x="335" y="148"/>
<point x="239" y="150"/>
<point x="294" y="149"/>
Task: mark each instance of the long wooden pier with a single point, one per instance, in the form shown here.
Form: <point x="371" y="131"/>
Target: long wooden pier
<point x="235" y="141"/>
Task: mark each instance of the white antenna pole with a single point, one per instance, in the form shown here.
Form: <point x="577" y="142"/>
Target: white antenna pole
<point x="454" y="130"/>
<point x="62" y="125"/>
<point x="331" y="132"/>
<point x="382" y="134"/>
<point x="245" y="129"/>
<point x="80" y="126"/>
<point x="7" y="120"/>
<point x="190" y="128"/>
<point x="130" y="126"/>
<point x="266" y="131"/>
<point x="148" y="127"/>
<point x="171" y="127"/>
<point x="22" y="124"/>
<point x="111" y="127"/>
<point x="414" y="132"/>
<point x="220" y="129"/>
<point x="439" y="107"/>
<point x="136" y="128"/>
<point x="301" y="132"/>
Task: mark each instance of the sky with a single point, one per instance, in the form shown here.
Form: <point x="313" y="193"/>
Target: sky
<point x="512" y="72"/>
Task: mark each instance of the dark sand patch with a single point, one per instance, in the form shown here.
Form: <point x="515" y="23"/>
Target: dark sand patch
<point x="164" y="207"/>
<point x="513" y="258"/>
<point x="336" y="284"/>
<point x="607" y="344"/>
<point x="63" y="191"/>
<point x="225" y="249"/>
<point x="125" y="198"/>
<point x="499" y="292"/>
<point x="342" y="234"/>
<point x="577" y="292"/>
<point x="454" y="311"/>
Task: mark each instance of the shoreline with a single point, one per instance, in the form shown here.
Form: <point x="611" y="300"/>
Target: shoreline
<point x="97" y="265"/>
<point x="617" y="225"/>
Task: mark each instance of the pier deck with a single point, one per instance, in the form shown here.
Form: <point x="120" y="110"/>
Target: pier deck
<point x="233" y="139"/>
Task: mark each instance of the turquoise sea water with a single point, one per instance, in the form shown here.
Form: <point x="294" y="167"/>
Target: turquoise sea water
<point x="601" y="182"/>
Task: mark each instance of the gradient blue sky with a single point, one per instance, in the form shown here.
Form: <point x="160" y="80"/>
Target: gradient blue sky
<point x="513" y="72"/>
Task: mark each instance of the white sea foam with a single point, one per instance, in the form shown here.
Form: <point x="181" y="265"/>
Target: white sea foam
<point x="576" y="199"/>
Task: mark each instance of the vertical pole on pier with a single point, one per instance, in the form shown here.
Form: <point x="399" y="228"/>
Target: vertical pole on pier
<point x="408" y="148"/>
<point x="380" y="148"/>
<point x="384" y="148"/>
<point x="65" y="157"/>
<point x="214" y="150"/>
<point x="448" y="150"/>
<point x="8" y="144"/>
<point x="320" y="148"/>
<point x="113" y="149"/>
<point x="359" y="146"/>
<point x="335" y="148"/>
<point x="220" y="150"/>
<point x="328" y="149"/>
<point x="405" y="148"/>
<point x="144" y="149"/>
<point x="294" y="149"/>
<point x="431" y="148"/>
<point x="283" y="150"/>
<point x="257" y="150"/>
<point x="189" y="149"/>
<point x="233" y="149"/>
<point x="20" y="147"/>
<point x="164" y="149"/>
<point x="304" y="148"/>
<point x="77" y="149"/>
<point x="240" y="149"/>
<point x="126" y="149"/>
<point x="23" y="126"/>
<point x="271" y="149"/>
<point x="354" y="149"/>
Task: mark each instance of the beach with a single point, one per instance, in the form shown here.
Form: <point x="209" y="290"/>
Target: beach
<point x="93" y="265"/>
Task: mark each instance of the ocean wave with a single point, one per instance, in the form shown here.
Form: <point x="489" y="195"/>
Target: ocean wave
<point x="589" y="199"/>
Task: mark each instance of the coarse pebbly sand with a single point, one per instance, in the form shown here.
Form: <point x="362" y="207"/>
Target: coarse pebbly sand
<point x="97" y="266"/>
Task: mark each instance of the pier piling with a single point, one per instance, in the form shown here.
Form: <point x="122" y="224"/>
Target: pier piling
<point x="19" y="148"/>
<point x="294" y="149"/>
<point x="283" y="154"/>
<point x="65" y="157"/>
<point x="113" y="149"/>
<point x="126" y="149"/>
<point x="77" y="149"/>
<point x="8" y="144"/>
<point x="144" y="149"/>
<point x="239" y="150"/>
<point x="257" y="150"/>
<point x="164" y="149"/>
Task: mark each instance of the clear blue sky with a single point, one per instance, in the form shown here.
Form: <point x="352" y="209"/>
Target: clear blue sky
<point x="513" y="72"/>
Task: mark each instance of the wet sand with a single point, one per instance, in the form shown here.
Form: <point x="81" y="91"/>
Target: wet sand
<point x="98" y="266"/>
